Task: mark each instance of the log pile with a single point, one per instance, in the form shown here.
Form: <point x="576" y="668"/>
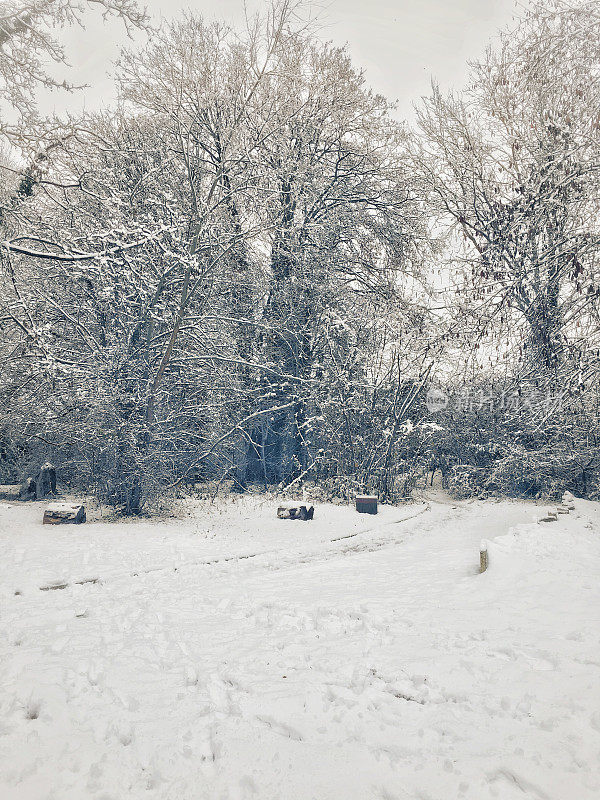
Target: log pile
<point x="550" y="515"/>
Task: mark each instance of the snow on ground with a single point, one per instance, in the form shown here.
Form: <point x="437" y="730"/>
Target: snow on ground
<point x="231" y="655"/>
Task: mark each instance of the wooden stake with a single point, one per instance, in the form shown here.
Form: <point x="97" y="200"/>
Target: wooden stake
<point x="483" y="557"/>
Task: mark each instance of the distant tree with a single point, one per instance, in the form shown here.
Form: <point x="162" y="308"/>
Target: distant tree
<point x="301" y="168"/>
<point x="513" y="163"/>
<point x="343" y="222"/>
<point x="213" y="279"/>
<point x="133" y="228"/>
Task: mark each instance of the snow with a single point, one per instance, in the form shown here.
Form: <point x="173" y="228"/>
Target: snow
<point x="228" y="654"/>
<point x="63" y="506"/>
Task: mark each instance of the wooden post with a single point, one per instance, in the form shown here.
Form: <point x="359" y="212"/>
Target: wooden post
<point x="483" y="556"/>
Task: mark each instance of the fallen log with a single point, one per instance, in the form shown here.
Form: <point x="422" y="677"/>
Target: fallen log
<point x="295" y="511"/>
<point x="64" y="514"/>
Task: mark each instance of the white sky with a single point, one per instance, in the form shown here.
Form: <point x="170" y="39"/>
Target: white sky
<point x="400" y="44"/>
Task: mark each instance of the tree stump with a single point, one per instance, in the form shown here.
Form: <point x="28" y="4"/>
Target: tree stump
<point x="27" y="491"/>
<point x="64" y="514"/>
<point x="366" y="503"/>
<point x="45" y="483"/>
<point x="41" y="486"/>
<point x="295" y="511"/>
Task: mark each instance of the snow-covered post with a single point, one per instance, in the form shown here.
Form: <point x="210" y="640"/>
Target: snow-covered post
<point x="483" y="556"/>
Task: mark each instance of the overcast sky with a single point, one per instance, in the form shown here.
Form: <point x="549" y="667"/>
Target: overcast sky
<point x="400" y="44"/>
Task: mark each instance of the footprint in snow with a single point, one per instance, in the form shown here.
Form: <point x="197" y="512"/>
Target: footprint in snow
<point x="511" y="786"/>
<point x="200" y="745"/>
<point x="536" y="661"/>
<point x="121" y="731"/>
<point x="33" y="708"/>
<point x="95" y="675"/>
<point x="280" y="728"/>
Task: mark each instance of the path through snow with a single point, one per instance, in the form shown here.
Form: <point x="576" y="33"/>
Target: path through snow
<point x="378" y="666"/>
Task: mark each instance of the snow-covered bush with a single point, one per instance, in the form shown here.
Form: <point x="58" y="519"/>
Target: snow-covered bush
<point x="465" y="481"/>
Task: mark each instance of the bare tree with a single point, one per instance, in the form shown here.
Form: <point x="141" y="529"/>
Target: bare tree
<point x="342" y="219"/>
<point x="176" y="272"/>
<point x="513" y="163"/>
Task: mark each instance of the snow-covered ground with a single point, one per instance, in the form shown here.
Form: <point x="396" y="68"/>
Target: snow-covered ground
<point x="231" y="655"/>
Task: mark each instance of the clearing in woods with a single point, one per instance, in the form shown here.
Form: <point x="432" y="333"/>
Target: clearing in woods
<point x="229" y="654"/>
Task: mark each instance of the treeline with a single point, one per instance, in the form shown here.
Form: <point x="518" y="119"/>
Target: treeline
<point x="250" y="272"/>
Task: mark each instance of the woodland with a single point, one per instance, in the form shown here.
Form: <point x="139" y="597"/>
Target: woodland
<point x="250" y="274"/>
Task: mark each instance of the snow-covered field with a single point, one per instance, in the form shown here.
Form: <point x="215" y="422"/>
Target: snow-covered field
<point x="232" y="655"/>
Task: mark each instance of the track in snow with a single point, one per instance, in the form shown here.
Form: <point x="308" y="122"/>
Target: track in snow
<point x="298" y="558"/>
